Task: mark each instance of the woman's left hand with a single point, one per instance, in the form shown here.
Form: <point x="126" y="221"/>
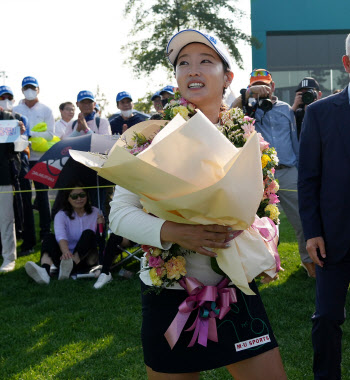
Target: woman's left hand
<point x="100" y="219"/>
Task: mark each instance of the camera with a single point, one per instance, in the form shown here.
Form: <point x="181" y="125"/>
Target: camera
<point x="265" y="104"/>
<point x="309" y="96"/>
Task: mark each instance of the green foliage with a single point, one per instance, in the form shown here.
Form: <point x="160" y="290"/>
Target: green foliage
<point x="156" y="23"/>
<point x="144" y="104"/>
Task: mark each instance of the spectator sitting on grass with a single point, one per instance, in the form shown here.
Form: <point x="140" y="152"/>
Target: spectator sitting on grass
<point x="73" y="247"/>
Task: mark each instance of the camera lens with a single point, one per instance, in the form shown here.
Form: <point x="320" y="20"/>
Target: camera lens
<point x="265" y="104"/>
<point x="309" y="96"/>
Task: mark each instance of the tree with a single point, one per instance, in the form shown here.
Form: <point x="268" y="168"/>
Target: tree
<point x="101" y="99"/>
<point x="144" y="104"/>
<point x="161" y="20"/>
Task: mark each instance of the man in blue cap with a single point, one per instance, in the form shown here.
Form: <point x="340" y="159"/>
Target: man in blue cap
<point x="28" y="230"/>
<point x="88" y="120"/>
<point x="127" y="117"/>
<point x="157" y="101"/>
<point x="167" y="93"/>
<point x="37" y="113"/>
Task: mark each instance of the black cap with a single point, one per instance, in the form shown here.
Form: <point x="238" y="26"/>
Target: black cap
<point x="308" y="82"/>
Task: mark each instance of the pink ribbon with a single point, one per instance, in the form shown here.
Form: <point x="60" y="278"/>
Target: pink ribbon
<point x="259" y="225"/>
<point x="211" y="302"/>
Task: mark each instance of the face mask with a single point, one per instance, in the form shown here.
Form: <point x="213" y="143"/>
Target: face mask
<point x="164" y="102"/>
<point x="127" y="113"/>
<point x="30" y="94"/>
<point x="6" y="104"/>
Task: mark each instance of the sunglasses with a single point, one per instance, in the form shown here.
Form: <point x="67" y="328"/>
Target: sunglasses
<point x="6" y="96"/>
<point x="76" y="196"/>
<point x="259" y="73"/>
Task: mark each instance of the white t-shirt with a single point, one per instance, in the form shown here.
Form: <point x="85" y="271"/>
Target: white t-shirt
<point x="104" y="128"/>
<point x="62" y="128"/>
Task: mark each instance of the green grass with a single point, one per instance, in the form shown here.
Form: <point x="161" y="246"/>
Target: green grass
<point x="68" y="330"/>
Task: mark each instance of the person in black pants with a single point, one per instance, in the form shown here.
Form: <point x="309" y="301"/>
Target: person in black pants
<point x="113" y="249"/>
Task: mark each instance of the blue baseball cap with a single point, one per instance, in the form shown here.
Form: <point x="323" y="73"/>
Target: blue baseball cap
<point x="30" y="81"/>
<point x="122" y="95"/>
<point x="189" y="36"/>
<point x="5" y="90"/>
<point x="155" y="95"/>
<point x="85" y="95"/>
<point x="168" y="89"/>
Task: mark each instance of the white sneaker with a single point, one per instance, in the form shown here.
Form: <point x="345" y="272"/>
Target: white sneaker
<point x="38" y="274"/>
<point x="66" y="267"/>
<point x="103" y="280"/>
<point x="7" y="266"/>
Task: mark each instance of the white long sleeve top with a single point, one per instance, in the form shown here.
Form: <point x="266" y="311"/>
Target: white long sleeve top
<point x="127" y="219"/>
<point x="39" y="113"/>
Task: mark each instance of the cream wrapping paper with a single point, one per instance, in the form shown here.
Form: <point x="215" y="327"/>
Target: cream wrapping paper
<point x="192" y="174"/>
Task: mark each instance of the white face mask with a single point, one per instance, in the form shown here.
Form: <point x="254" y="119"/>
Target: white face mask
<point x="30" y="94"/>
<point x="127" y="113"/>
<point x="6" y="104"/>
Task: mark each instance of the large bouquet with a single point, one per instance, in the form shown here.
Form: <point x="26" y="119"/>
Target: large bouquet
<point x="190" y="173"/>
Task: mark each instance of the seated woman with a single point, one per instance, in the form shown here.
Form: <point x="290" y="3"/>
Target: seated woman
<point x="73" y="247"/>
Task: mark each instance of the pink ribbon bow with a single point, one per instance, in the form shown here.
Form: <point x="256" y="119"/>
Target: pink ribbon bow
<point x="211" y="302"/>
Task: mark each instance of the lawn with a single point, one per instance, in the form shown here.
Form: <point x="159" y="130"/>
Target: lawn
<point x="68" y="330"/>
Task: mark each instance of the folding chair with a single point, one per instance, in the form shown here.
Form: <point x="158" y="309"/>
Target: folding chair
<point x="131" y="253"/>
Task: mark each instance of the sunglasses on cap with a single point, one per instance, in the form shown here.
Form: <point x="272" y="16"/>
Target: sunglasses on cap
<point x="259" y="73"/>
<point x="76" y="196"/>
<point x="6" y="96"/>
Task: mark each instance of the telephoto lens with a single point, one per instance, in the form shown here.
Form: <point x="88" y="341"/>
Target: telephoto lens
<point x="265" y="104"/>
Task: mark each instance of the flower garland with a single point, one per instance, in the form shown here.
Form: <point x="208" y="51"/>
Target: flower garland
<point x="167" y="267"/>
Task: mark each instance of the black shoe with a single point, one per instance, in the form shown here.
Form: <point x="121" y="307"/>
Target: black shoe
<point x="25" y="252"/>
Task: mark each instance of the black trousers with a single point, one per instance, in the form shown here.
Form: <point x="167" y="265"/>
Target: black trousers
<point x="332" y="282"/>
<point x="42" y="200"/>
<point x="28" y="234"/>
<point x="86" y="249"/>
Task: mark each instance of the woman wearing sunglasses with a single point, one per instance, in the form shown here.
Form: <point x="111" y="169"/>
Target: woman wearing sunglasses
<point x="203" y="71"/>
<point x="73" y="247"/>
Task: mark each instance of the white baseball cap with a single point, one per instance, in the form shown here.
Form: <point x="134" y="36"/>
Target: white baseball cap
<point x="188" y="36"/>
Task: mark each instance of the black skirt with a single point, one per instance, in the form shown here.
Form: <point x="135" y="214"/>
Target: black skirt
<point x="244" y="332"/>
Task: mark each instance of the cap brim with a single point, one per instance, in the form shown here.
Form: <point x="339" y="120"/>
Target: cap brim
<point x="31" y="84"/>
<point x="184" y="38"/>
<point x="124" y="97"/>
<point x="86" y="97"/>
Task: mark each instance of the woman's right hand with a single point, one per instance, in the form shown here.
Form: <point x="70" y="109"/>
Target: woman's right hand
<point x="196" y="237"/>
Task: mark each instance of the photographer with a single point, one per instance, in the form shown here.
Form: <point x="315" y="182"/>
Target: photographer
<point x="308" y="92"/>
<point x="276" y="122"/>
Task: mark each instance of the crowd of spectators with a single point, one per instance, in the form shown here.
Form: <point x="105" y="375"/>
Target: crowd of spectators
<point x="279" y="123"/>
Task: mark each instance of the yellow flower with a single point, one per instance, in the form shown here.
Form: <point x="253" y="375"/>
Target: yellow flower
<point x="175" y="267"/>
<point x="273" y="210"/>
<point x="155" y="252"/>
<point x="264" y="160"/>
<point x="182" y="110"/>
<point x="156" y="280"/>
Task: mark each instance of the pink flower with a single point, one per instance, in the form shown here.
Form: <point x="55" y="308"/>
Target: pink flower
<point x="146" y="248"/>
<point x="183" y="102"/>
<point x="273" y="198"/>
<point x="155" y="262"/>
<point x="263" y="144"/>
